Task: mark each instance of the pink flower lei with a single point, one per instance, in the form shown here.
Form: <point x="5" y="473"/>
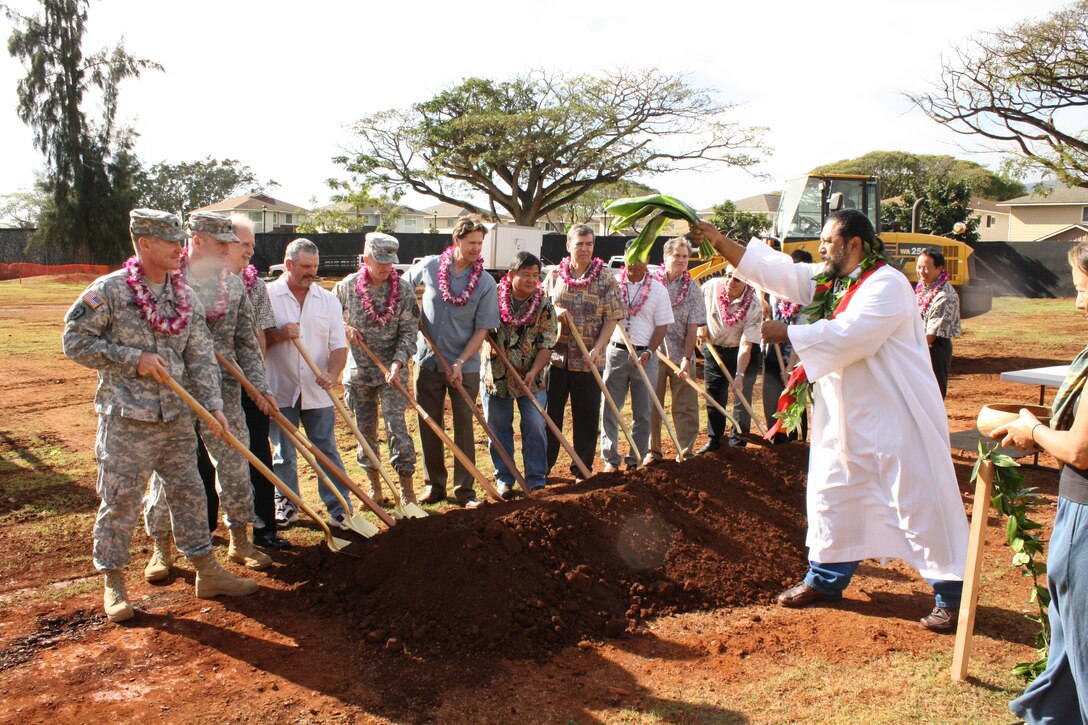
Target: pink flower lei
<point x="362" y="286"/>
<point x="222" y="292"/>
<point x="644" y="293"/>
<point x="249" y="276"/>
<point x="924" y="295"/>
<point x="148" y="305"/>
<point x="685" y="285"/>
<point x="506" y="306"/>
<point x="445" y="261"/>
<point x="585" y="280"/>
<point x="729" y="318"/>
<point x="787" y="309"/>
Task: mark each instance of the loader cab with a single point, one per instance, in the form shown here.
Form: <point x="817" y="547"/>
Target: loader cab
<point x="807" y="201"/>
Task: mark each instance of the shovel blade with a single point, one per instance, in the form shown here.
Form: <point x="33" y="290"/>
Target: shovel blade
<point x="336" y="544"/>
<point x="412" y="511"/>
<point x="361" y="526"/>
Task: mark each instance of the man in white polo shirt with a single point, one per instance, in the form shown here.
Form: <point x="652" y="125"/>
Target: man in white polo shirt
<point x="313" y="315"/>
<point x="649" y="314"/>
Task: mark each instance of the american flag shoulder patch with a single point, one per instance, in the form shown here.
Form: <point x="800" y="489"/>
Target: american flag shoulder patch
<point x="92" y="299"/>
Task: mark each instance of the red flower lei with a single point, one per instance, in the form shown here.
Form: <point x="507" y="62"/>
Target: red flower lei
<point x="445" y="261"/>
<point x="362" y="286"/>
<point x="924" y="295"/>
<point x="249" y="276"/>
<point x="148" y="305"/>
<point x="685" y="286"/>
<point x="728" y="318"/>
<point x="506" y="307"/>
<point x="643" y="295"/>
<point x="787" y="309"/>
<point x="585" y="280"/>
<point x="222" y="292"/>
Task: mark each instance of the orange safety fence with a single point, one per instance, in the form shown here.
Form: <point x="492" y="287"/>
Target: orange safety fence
<point x="18" y="270"/>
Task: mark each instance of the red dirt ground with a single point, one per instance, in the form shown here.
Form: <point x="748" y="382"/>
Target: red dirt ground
<point x="619" y="592"/>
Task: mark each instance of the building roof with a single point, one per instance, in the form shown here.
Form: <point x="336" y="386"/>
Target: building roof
<point x="987" y="205"/>
<point x="253" y="202"/>
<point x="761" y="203"/>
<point x="349" y="209"/>
<point x="1074" y="195"/>
<point x="1079" y="231"/>
<point x="445" y="209"/>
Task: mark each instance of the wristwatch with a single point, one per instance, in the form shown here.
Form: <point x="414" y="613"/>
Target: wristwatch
<point x="459" y="361"/>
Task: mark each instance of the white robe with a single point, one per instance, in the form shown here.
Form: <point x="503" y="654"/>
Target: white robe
<point x="880" y="480"/>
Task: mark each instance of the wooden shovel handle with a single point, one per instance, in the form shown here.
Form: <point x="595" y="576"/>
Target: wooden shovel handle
<point x="698" y="388"/>
<point x="658" y="405"/>
<point x="536" y="403"/>
<point x="740" y="394"/>
<point x="437" y="429"/>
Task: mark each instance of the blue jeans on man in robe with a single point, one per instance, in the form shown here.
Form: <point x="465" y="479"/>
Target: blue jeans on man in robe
<point x="1060" y="693"/>
<point x="534" y="437"/>
<point x="834" y="578"/>
<point x="319" y="425"/>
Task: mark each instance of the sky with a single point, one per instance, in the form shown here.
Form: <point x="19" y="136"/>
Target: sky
<point x="276" y="85"/>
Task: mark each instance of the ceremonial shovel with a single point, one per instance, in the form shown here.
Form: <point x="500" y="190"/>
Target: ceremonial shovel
<point x="503" y="453"/>
<point x="417" y="512"/>
<point x="653" y="392"/>
<point x="698" y="388"/>
<point x="740" y="394"/>
<point x="331" y="541"/>
<point x="547" y="419"/>
<point x="355" y="522"/>
<point x="426" y="418"/>
<point x="577" y="337"/>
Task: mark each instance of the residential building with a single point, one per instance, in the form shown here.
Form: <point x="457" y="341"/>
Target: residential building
<point x="1061" y="215"/>
<point x="412" y="221"/>
<point x="443" y="217"/>
<point x="268" y="214"/>
<point x="993" y="220"/>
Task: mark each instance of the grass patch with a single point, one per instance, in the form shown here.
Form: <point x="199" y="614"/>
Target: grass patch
<point x="38" y="291"/>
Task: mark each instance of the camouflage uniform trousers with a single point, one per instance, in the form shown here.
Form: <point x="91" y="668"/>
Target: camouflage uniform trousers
<point x="231" y="473"/>
<point x="363" y="400"/>
<point x="128" y="453"/>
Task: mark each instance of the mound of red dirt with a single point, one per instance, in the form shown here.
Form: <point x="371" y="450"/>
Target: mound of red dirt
<point x="577" y="562"/>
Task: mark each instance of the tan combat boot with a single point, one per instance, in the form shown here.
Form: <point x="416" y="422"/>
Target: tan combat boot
<point x="115" y="600"/>
<point x="242" y="551"/>
<point x="162" y="558"/>
<point x="376" y="487"/>
<point x="213" y="580"/>
<point x="407" y="489"/>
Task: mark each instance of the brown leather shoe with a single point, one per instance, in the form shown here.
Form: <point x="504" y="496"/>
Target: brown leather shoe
<point x="940" y="620"/>
<point x="803" y="595"/>
<point x="433" y="495"/>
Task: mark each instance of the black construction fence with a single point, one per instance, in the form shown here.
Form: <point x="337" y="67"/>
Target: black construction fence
<point x="1020" y="269"/>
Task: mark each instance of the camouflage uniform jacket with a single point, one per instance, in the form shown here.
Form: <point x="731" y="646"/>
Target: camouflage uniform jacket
<point x="103" y="330"/>
<point x="521" y="344"/>
<point x="394" y="341"/>
<point x="235" y="333"/>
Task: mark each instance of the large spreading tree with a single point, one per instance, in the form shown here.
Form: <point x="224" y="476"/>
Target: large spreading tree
<point x="89" y="163"/>
<point x="1023" y="88"/>
<point x="535" y="144"/>
<point x="946" y="203"/>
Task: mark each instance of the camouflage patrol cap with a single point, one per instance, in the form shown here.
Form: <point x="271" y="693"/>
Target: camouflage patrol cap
<point x="154" y="223"/>
<point x="382" y="248"/>
<point x="214" y="224"/>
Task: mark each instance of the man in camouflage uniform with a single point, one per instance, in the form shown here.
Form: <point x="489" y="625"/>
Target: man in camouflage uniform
<point x="229" y="315"/>
<point x="144" y="428"/>
<point x="393" y="342"/>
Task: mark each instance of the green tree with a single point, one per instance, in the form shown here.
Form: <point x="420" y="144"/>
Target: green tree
<point x="21" y="209"/>
<point x="89" y="164"/>
<point x="534" y="144"/>
<point x="741" y="225"/>
<point x="900" y="171"/>
<point x="591" y="203"/>
<point x="1019" y="88"/>
<point x="946" y="203"/>
<point x="189" y="185"/>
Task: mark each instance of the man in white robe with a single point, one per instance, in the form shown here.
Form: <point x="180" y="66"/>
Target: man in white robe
<point x="880" y="482"/>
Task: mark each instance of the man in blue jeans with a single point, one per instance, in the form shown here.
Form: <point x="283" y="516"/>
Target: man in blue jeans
<point x="306" y="312"/>
<point x="528" y="333"/>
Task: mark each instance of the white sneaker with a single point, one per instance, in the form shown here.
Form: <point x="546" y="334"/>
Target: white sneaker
<point x="337" y="522"/>
<point x="286" y="514"/>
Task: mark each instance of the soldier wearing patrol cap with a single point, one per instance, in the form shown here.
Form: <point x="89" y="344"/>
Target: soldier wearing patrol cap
<point x="132" y="326"/>
<point x="229" y="314"/>
<point x="380" y="309"/>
